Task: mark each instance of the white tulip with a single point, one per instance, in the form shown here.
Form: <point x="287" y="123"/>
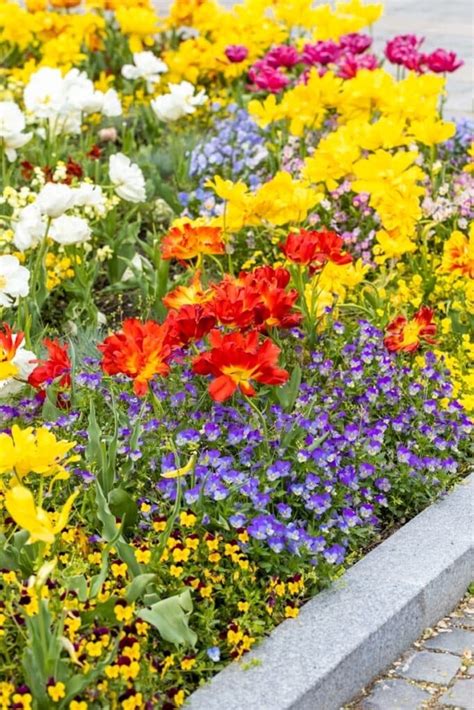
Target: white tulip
<point x="43" y="95"/>
<point x="54" y="199"/>
<point x="89" y="195"/>
<point x="145" y="66"/>
<point x="29" y="227"/>
<point x="127" y="178"/>
<point x="12" y="125"/>
<point x="13" y="280"/>
<point x="180" y="102"/>
<point x="70" y="230"/>
<point x="62" y="101"/>
<point x="111" y="105"/>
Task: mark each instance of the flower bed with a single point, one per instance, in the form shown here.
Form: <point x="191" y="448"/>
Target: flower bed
<point x="236" y="291"/>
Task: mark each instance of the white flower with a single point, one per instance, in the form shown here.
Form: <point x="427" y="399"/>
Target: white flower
<point x="43" y="95"/>
<point x="89" y="195"/>
<point x="180" y="102"/>
<point x="79" y="93"/>
<point x="111" y="105"/>
<point x="12" y="125"/>
<point x="70" y="230"/>
<point x="127" y="178"/>
<point x="54" y="199"/>
<point x="25" y="361"/>
<point x="29" y="227"/>
<point x="62" y="101"/>
<point x="13" y="280"/>
<point x="145" y="66"/>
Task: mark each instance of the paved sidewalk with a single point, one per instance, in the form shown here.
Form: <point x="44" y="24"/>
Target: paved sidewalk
<point x="437" y="672"/>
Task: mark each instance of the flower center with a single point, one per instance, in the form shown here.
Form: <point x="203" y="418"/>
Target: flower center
<point x="411" y="333"/>
<point x="238" y="374"/>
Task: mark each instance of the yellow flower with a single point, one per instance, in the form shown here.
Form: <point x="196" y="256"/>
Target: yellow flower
<point x="431" y="131"/>
<point x="33" y="451"/>
<point x="179" y="472"/>
<point x="392" y="245"/>
<point x="469" y="167"/>
<point x="57" y="691"/>
<point x="123" y="612"/>
<point x="382" y="173"/>
<point x="333" y="158"/>
<point x="41" y="525"/>
<point x="188" y="663"/>
<point x="458" y="254"/>
<point x="143" y="556"/>
<point x="265" y="112"/>
<point x="186" y="519"/>
<point x="140" y="24"/>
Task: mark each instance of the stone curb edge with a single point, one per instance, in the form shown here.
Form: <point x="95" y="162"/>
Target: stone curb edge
<point x="345" y="636"/>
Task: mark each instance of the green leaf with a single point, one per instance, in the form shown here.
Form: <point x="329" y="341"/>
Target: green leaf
<point x="112" y="534"/>
<point x="124" y="507"/>
<point x="94" y="451"/>
<point x="50" y="411"/>
<point x="171" y="617"/>
<point x="77" y="583"/>
<point x="288" y="393"/>
<point x="138" y="586"/>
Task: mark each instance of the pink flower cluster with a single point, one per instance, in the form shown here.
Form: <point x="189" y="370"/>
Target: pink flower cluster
<point x="271" y="72"/>
<point x="404" y="50"/>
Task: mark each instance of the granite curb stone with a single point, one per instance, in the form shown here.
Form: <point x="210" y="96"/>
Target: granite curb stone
<point x="347" y="634"/>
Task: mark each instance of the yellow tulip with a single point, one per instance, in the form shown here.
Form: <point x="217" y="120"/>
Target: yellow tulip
<point x="41" y="525"/>
<point x="179" y="472"/>
<point x="33" y="451"/>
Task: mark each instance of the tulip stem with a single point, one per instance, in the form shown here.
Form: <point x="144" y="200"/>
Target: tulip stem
<point x="261" y="419"/>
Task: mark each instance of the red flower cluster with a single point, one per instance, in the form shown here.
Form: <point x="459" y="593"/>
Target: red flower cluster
<point x="314" y="249"/>
<point x="235" y="360"/>
<point x="257" y="299"/>
<point x="188" y="323"/>
<point x="73" y="170"/>
<point x="407" y="335"/>
<point x="56" y="367"/>
<point x="139" y="350"/>
<point x="187" y="242"/>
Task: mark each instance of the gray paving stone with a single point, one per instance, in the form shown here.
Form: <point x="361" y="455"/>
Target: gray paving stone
<point x="456" y="641"/>
<point x="467" y="621"/>
<point x="431" y="667"/>
<point x="394" y="694"/>
<point x="461" y="695"/>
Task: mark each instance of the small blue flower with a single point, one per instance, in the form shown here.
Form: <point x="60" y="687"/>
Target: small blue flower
<point x="214" y="653"/>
